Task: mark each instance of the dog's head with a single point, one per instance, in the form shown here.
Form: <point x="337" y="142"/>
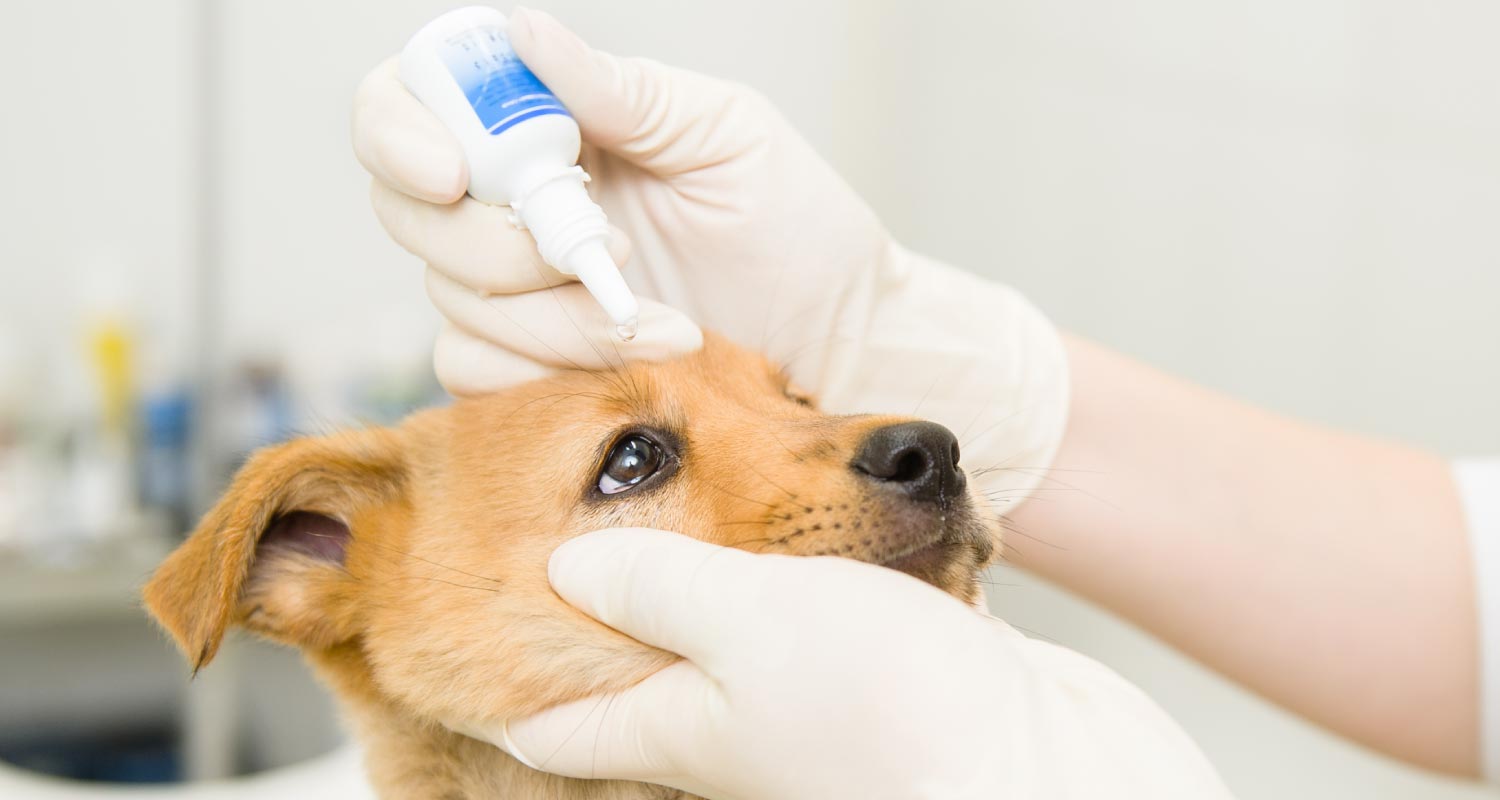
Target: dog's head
<point x="418" y="554"/>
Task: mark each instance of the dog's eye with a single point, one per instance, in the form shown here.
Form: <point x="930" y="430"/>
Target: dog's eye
<point x="633" y="459"/>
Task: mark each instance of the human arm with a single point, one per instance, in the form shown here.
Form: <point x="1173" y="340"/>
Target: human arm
<point x="1330" y="573"/>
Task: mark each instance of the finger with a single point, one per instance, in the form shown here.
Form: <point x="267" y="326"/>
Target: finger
<point x="468" y="366"/>
<point x="664" y="119"/>
<point x="474" y="243"/>
<point x="638" y="734"/>
<point x="562" y="326"/>
<point x="403" y="144"/>
<point x="664" y="589"/>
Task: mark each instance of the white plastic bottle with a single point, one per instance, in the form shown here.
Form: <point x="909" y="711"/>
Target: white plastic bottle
<point x="521" y="143"/>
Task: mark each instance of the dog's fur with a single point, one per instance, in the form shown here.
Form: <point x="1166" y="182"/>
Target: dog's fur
<point x="409" y="564"/>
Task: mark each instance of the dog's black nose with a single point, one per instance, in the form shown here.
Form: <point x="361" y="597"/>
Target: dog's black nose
<point x="919" y="458"/>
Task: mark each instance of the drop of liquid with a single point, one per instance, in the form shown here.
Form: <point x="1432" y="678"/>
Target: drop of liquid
<point x="627" y="330"/>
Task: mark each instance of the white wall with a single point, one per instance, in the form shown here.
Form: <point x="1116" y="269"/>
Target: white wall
<point x="96" y="163"/>
<point x="1294" y="202"/>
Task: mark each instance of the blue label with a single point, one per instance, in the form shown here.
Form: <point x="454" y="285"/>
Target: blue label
<point x="500" y="88"/>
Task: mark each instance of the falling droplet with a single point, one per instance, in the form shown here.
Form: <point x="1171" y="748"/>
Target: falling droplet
<point x="627" y="330"/>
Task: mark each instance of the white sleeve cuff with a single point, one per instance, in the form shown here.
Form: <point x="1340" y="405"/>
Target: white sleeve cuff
<point x="1479" y="489"/>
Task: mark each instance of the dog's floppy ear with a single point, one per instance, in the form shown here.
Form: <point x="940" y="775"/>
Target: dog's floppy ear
<point x="270" y="555"/>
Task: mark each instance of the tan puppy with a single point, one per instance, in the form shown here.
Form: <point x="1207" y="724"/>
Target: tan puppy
<point x="410" y="564"/>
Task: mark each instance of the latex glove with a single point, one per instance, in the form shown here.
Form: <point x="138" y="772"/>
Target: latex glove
<point x="735" y="221"/>
<point x="829" y="678"/>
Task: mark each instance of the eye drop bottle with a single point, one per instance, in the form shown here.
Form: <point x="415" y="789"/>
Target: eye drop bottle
<point x="521" y="144"/>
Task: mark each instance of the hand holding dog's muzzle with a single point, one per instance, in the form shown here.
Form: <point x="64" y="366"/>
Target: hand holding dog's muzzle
<point x="829" y="678"/>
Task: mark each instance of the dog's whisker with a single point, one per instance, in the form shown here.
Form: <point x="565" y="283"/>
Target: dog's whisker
<point x="1065" y="486"/>
<point x="440" y="580"/>
<point x="609" y="375"/>
<point x="787" y="323"/>
<point x="797" y="239"/>
<point x="538" y="339"/>
<point x="1041" y="473"/>
<point x="569" y="737"/>
<point x="1010" y="527"/>
<point x="994" y="584"/>
<point x="926" y="394"/>
<point x="742" y="544"/>
<point x="594" y="755"/>
<point x="997" y="423"/>
<point x="565" y="395"/>
<point x="1023" y="491"/>
<point x="1046" y="470"/>
<point x="788" y="450"/>
<point x="400" y="552"/>
<point x="790" y="494"/>
<point x="963" y="434"/>
<point x="1007" y="547"/>
<point x="1031" y="632"/>
<point x="552" y="291"/>
<point x="798" y="352"/>
<point x="739" y="497"/>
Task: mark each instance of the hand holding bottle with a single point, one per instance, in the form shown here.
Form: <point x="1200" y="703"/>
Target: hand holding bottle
<point x="734" y="222"/>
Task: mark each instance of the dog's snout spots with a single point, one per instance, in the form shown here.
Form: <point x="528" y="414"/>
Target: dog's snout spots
<point x="804" y="520"/>
<point x="920" y="459"/>
<point x="866" y="522"/>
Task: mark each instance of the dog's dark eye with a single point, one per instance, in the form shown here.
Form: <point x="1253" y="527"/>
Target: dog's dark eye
<point x="633" y="459"/>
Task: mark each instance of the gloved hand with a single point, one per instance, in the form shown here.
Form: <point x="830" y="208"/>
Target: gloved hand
<point x="829" y="678"/>
<point x="733" y="220"/>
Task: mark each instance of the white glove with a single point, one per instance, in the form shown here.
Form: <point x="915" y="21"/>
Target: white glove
<point x="734" y="221"/>
<point x="830" y="678"/>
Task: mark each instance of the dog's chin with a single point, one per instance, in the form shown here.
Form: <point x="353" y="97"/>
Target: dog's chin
<point x="949" y="556"/>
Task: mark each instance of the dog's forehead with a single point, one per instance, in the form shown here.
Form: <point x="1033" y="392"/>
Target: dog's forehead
<point x="720" y="375"/>
<point x="718" y="380"/>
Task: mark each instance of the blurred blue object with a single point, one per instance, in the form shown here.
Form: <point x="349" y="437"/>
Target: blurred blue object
<point x="166" y="427"/>
<point x="336" y="776"/>
<point x="142" y="756"/>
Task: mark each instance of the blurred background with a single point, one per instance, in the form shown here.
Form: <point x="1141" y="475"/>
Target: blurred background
<point x="1297" y="203"/>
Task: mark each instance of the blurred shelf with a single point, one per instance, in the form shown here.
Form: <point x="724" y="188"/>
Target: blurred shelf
<point x="104" y="584"/>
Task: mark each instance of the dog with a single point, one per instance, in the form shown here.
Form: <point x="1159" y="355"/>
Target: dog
<point x="409" y="564"/>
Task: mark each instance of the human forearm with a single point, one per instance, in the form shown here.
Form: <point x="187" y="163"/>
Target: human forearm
<point x="1328" y="572"/>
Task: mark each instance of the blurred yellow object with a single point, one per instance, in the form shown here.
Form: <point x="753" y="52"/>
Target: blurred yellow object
<point x="111" y="349"/>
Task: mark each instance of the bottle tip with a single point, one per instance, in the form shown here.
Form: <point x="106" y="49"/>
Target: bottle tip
<point x="590" y="261"/>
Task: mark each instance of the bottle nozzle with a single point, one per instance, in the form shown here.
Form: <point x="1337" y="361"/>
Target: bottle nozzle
<point x="590" y="261"/>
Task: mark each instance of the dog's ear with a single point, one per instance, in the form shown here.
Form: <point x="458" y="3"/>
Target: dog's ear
<point x="270" y="555"/>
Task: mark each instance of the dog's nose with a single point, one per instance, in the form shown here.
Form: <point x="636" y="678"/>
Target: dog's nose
<point x="919" y="458"/>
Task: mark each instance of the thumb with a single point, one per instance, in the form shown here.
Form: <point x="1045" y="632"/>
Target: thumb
<point x="561" y="327"/>
<point x="683" y="595"/>
<point x="665" y="120"/>
<point x="644" y="733"/>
